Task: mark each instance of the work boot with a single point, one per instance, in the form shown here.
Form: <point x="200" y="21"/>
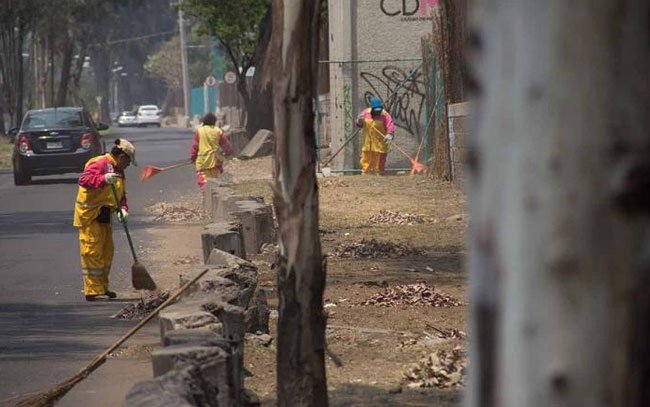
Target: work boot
<point x="110" y="294"/>
<point x="91" y="297"/>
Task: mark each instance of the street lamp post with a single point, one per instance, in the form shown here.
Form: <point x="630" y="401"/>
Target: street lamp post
<point x="185" y="73"/>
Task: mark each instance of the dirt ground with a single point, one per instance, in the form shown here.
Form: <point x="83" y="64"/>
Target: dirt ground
<point x="376" y="344"/>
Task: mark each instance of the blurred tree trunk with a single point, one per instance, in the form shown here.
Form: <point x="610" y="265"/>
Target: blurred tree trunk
<point x="77" y="72"/>
<point x="102" y="67"/>
<point x="301" y="379"/>
<point x="560" y="198"/>
<point x="260" y="109"/>
<point x="66" y="66"/>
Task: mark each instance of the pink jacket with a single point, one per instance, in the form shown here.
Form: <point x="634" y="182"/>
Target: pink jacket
<point x="93" y="176"/>
<point x="388" y="119"/>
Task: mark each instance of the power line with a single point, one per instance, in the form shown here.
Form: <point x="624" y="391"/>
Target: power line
<point x="123" y="40"/>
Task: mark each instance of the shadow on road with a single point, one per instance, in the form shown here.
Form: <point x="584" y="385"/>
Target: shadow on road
<point x="53" y="181"/>
<point x="57" y="331"/>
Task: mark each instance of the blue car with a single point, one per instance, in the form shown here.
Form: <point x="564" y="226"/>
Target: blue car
<point x="55" y="141"/>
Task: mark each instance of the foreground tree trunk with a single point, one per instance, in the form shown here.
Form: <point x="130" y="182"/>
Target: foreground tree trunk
<point x="301" y="379"/>
<point x="66" y="66"/>
<point x="560" y="237"/>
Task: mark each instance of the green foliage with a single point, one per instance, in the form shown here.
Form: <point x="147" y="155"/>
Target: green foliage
<point x="235" y="23"/>
<point x="165" y="62"/>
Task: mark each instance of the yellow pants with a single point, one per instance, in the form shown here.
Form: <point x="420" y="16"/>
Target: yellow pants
<point x="203" y="175"/>
<point x="96" y="248"/>
<point x="372" y="161"/>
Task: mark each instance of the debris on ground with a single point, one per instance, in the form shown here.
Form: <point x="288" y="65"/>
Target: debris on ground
<point x="374" y="249"/>
<point x="187" y="260"/>
<point x="413" y="294"/>
<point x="333" y="183"/>
<point x="386" y="217"/>
<point x="260" y="338"/>
<point x="188" y="211"/>
<point x="442" y="369"/>
<point x="447" y="333"/>
<point x="132" y="352"/>
<point x="269" y="248"/>
<point x="140" y="309"/>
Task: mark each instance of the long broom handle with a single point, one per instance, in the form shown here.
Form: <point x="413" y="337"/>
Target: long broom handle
<point x="126" y="229"/>
<point x="341" y="148"/>
<point x="183" y="164"/>
<point x="392" y="143"/>
<point x="99" y="360"/>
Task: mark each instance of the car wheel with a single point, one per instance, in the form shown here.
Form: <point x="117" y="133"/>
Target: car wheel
<point x="158" y="125"/>
<point x="21" y="178"/>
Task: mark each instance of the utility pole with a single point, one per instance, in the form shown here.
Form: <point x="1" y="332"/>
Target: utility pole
<point x="186" y="76"/>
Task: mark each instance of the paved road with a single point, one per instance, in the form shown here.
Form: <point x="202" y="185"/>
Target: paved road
<point x="47" y="330"/>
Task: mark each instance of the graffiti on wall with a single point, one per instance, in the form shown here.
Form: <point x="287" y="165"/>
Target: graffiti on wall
<point x="408" y="10"/>
<point x="403" y="94"/>
<point x="347" y="109"/>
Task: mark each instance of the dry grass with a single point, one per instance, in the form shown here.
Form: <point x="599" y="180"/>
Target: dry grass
<point x="5" y="152"/>
<point x="368" y="338"/>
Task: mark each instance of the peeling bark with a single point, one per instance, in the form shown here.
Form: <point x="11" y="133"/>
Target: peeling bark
<point x="301" y="379"/>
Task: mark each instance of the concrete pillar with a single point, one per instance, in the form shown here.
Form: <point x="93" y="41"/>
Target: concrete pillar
<point x="342" y="109"/>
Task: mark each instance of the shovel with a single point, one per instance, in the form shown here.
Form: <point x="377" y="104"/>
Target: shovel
<point x="140" y="277"/>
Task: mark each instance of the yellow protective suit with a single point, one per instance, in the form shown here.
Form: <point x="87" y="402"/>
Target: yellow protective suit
<point x="208" y="153"/>
<point x="375" y="148"/>
<point x="95" y="238"/>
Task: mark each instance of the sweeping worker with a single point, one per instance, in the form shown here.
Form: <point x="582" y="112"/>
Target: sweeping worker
<point x="92" y="215"/>
<point x="378" y="129"/>
<point x="209" y="149"/>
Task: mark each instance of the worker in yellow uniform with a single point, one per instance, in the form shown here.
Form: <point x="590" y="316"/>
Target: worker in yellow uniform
<point x="378" y="129"/>
<point x="209" y="149"/>
<point x="92" y="215"/>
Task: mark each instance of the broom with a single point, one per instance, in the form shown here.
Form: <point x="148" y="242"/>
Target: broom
<point x="51" y="396"/>
<point x="416" y="166"/>
<point x="140" y="277"/>
<point x="149" y="170"/>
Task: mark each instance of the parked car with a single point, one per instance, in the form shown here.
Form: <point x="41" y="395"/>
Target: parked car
<point x="126" y="119"/>
<point x="55" y="141"/>
<point x="148" y="115"/>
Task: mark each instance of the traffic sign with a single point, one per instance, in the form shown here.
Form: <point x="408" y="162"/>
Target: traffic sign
<point x="230" y="77"/>
<point x="211" y="81"/>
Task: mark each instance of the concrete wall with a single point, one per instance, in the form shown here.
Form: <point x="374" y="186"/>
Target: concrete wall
<point x="386" y="34"/>
<point x="458" y="114"/>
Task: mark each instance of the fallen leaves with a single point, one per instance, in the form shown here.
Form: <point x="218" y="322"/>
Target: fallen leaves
<point x="387" y="217"/>
<point x="142" y="308"/>
<point x="374" y="249"/>
<point x="442" y="369"/>
<point x="190" y="211"/>
<point x="420" y="294"/>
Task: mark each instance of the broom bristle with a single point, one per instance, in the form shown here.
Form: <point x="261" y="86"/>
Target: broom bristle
<point x="148" y="172"/>
<point x="141" y="279"/>
<point x="49" y="397"/>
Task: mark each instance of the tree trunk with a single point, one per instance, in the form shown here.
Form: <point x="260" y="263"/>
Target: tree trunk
<point x="260" y="111"/>
<point x="560" y="174"/>
<point x="66" y="66"/>
<point x="77" y="72"/>
<point x="441" y="165"/>
<point x="301" y="379"/>
<point x="101" y="65"/>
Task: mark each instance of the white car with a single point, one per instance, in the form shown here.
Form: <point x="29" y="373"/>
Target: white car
<point x="126" y="119"/>
<point x="148" y="115"/>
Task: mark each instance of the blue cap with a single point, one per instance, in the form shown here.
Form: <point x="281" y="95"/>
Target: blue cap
<point x="376" y="103"/>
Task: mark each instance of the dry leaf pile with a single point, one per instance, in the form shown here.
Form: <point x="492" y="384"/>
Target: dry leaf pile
<point x="386" y="217"/>
<point x="374" y="249"/>
<point x="333" y="182"/>
<point x="177" y="212"/>
<point x="142" y="308"/>
<point x="441" y="369"/>
<point x="187" y="260"/>
<point x="412" y="294"/>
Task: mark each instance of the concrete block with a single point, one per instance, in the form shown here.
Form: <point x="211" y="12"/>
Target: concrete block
<point x="186" y="316"/>
<point x="256" y="316"/>
<point x="238" y="138"/>
<point x="224" y="283"/>
<point x="224" y="236"/>
<point x="257" y="224"/>
<point x="261" y="145"/>
<point x="172" y="392"/>
<point x="195" y="337"/>
<point x="204" y="370"/>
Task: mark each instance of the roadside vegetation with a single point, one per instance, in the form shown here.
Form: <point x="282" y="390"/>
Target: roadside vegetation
<point x="5" y="152"/>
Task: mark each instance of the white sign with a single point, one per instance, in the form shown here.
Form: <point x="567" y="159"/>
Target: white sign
<point x="211" y="81"/>
<point x="230" y="77"/>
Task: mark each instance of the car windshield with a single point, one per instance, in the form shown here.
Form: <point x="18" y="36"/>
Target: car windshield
<point x="128" y="114"/>
<point x="54" y="119"/>
<point x="149" y="109"/>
